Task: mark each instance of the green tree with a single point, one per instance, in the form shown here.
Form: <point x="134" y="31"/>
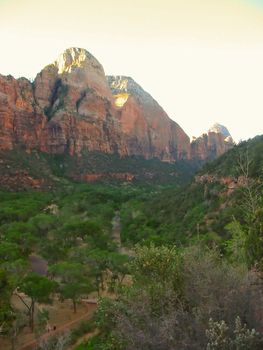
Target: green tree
<point x="38" y="289"/>
<point x="6" y="310"/>
<point x="73" y="281"/>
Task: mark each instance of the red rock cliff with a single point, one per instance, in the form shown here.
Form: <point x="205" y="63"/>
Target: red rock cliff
<point x="145" y="125"/>
<point x="71" y="107"/>
<point x="21" y="119"/>
<point x="212" y="144"/>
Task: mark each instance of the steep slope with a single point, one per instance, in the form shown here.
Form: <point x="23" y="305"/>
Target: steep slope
<point x="216" y="197"/>
<point x="145" y="125"/>
<point x="72" y="107"/>
<point x="74" y="94"/>
<point x="228" y="164"/>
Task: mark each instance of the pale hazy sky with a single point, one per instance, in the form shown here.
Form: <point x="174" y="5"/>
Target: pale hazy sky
<point x="202" y="60"/>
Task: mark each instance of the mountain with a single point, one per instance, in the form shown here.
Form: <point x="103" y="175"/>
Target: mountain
<point x="212" y="144"/>
<point x="72" y="109"/>
<point x="222" y="192"/>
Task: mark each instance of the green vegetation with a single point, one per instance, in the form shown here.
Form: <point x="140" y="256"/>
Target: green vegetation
<point x="190" y="277"/>
<point x="203" y="302"/>
<point x="228" y="163"/>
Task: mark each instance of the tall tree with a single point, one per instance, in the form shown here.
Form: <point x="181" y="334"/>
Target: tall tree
<point x="74" y="281"/>
<point x="38" y="289"/>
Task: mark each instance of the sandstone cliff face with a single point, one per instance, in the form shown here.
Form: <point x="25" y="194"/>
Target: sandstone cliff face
<point x="74" y="94"/>
<point x="21" y="120"/>
<point x="72" y="107"/>
<point x="145" y="125"/>
<point x="212" y="144"/>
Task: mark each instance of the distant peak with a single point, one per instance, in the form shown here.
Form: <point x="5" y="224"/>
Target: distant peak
<point x="220" y="129"/>
<point x="75" y="57"/>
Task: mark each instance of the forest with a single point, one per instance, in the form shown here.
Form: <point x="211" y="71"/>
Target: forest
<point x="170" y="266"/>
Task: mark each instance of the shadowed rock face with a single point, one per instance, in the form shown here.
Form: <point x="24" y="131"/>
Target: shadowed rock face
<point x="71" y="107"/>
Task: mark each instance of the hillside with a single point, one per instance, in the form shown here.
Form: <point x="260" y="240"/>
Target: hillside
<point x="70" y="228"/>
<point x="203" y="210"/>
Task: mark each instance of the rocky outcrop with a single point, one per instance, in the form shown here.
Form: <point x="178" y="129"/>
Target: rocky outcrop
<point x="127" y="177"/>
<point x="71" y="107"/>
<point x="229" y="182"/>
<point x="20" y="180"/>
<point x="212" y="144"/>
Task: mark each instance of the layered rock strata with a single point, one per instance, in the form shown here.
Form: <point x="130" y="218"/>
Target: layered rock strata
<point x="72" y="107"/>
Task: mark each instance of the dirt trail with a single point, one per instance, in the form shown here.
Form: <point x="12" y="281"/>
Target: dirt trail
<point x="116" y="229"/>
<point x="61" y="329"/>
<point x="116" y="235"/>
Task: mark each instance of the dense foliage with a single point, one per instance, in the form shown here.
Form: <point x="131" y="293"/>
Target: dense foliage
<point x="202" y="302"/>
<point x="194" y="280"/>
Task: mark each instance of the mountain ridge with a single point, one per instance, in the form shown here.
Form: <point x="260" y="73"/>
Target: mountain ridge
<point x="73" y="108"/>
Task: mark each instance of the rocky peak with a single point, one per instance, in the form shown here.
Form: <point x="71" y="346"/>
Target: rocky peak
<point x="212" y="144"/>
<point x="219" y="129"/>
<point x="76" y="58"/>
<point x="74" y="75"/>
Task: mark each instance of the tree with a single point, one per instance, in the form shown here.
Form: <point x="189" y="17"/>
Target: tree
<point x="168" y="311"/>
<point x="221" y="338"/>
<point x="6" y="311"/>
<point x="96" y="262"/>
<point x="9" y="252"/>
<point x="19" y="322"/>
<point x="118" y="265"/>
<point x="236" y="245"/>
<point x="38" y="289"/>
<point x="157" y="266"/>
<point x="252" y="209"/>
<point x="74" y="281"/>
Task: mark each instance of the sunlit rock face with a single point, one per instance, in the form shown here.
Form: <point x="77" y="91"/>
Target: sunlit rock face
<point x="212" y="144"/>
<point x="76" y="98"/>
<point x="145" y="125"/>
<point x="88" y="111"/>
<point x="72" y="106"/>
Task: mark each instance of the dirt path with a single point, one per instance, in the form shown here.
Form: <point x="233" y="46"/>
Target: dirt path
<point x="116" y="235"/>
<point x="116" y="229"/>
<point x="62" y="329"/>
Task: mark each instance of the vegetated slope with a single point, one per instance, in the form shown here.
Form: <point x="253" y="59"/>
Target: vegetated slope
<point x="229" y="163"/>
<point x="217" y="197"/>
<point x="20" y="170"/>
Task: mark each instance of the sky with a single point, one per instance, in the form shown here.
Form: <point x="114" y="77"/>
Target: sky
<point x="202" y="60"/>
